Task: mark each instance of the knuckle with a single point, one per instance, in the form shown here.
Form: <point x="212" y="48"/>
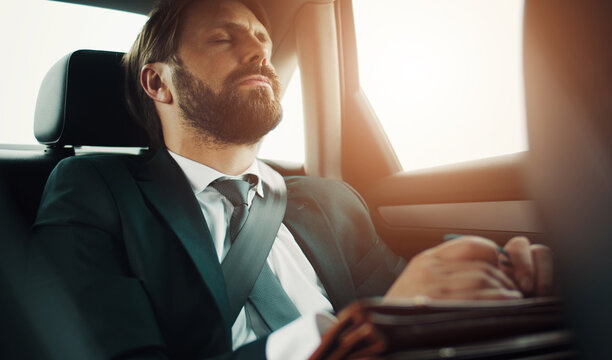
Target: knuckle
<point x="480" y="280"/>
<point x="541" y="251"/>
<point x="485" y="271"/>
<point x="473" y="244"/>
<point x="423" y="260"/>
<point x="517" y="243"/>
<point x="486" y="268"/>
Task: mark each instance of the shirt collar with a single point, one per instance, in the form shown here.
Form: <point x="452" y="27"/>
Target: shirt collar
<point x="200" y="175"/>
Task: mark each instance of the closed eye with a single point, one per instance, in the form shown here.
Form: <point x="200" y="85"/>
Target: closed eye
<point x="262" y="37"/>
<point x="220" y="37"/>
<point x="222" y="40"/>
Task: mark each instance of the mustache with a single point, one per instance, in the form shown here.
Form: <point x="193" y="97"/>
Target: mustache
<point x="252" y="69"/>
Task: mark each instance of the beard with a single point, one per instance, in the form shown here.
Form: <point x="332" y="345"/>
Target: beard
<point x="229" y="117"/>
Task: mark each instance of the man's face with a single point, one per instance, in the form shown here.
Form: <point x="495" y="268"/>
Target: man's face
<point x="227" y="88"/>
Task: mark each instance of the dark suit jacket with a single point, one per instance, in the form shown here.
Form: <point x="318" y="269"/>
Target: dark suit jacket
<point x="129" y="241"/>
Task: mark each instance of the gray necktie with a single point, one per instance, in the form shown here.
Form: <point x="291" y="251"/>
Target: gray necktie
<point x="268" y="306"/>
<point x="237" y="192"/>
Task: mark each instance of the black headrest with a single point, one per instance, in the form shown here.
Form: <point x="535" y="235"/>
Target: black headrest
<point x="81" y="102"/>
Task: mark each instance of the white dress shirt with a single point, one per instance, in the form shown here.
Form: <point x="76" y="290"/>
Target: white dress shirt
<point x="298" y="339"/>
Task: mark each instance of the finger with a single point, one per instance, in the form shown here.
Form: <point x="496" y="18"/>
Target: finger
<point x="467" y="248"/>
<point x="473" y="280"/>
<point x="457" y="267"/>
<point x="544" y="269"/>
<point x="522" y="263"/>
<point x="483" y="294"/>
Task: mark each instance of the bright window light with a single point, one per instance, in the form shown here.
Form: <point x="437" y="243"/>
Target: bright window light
<point x="444" y="77"/>
<point x="286" y="142"/>
<point x="37" y="33"/>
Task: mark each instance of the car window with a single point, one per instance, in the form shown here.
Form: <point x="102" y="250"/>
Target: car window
<point x="37" y="33"/>
<point x="286" y="142"/>
<point x="444" y="77"/>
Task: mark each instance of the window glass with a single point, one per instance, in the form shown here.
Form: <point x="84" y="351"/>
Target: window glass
<point x="444" y="77"/>
<point x="286" y="142"/>
<point x="37" y="33"/>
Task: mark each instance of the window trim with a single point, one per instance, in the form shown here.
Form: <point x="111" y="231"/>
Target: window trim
<point x="367" y="154"/>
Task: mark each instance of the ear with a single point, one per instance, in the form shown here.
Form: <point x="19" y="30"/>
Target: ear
<point x="154" y="79"/>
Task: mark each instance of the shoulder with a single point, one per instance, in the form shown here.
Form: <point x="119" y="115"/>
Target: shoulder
<point x="86" y="170"/>
<point x="79" y="185"/>
<point x="307" y="183"/>
<point x="329" y="194"/>
<point x="95" y="163"/>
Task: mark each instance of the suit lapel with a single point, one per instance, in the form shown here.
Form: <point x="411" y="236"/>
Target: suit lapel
<point x="163" y="183"/>
<point x="312" y="230"/>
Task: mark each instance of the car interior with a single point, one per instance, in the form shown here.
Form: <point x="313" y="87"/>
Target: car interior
<point x="568" y="83"/>
<point x="556" y="193"/>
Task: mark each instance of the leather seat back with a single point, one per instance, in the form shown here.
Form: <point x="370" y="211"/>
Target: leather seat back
<point x="80" y="103"/>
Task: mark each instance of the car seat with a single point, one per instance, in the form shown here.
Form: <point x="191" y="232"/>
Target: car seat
<point x="80" y="103"/>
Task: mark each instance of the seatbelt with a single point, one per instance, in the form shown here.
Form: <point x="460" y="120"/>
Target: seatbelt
<point x="244" y="261"/>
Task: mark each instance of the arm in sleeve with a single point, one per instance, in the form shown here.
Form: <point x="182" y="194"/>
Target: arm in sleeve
<point x="379" y="268"/>
<point x="78" y="249"/>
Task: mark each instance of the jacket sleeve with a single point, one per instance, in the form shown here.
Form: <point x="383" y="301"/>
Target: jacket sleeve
<point x="77" y="249"/>
<point x="332" y="223"/>
<point x="382" y="264"/>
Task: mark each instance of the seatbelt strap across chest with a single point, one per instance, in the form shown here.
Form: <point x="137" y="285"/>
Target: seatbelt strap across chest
<point x="243" y="263"/>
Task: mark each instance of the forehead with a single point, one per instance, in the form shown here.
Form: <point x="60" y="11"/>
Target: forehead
<point x="205" y="15"/>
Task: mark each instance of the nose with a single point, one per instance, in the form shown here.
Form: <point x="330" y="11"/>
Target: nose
<point x="255" y="52"/>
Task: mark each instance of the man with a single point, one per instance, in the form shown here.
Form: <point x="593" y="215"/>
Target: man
<point x="139" y="240"/>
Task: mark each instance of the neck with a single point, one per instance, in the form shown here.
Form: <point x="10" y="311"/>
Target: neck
<point x="228" y="159"/>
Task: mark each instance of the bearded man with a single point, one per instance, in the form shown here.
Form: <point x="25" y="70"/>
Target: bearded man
<point x="140" y="241"/>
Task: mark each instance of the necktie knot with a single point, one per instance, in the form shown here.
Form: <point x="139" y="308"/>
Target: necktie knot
<point x="235" y="190"/>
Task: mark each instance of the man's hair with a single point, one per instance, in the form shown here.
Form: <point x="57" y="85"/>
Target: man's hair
<point x="158" y="42"/>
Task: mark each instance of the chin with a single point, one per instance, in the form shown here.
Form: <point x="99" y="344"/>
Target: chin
<point x="258" y="91"/>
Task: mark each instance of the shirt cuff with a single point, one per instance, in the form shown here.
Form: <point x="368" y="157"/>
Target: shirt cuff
<point x="300" y="338"/>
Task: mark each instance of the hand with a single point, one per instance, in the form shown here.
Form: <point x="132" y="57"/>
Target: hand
<point x="532" y="267"/>
<point x="465" y="268"/>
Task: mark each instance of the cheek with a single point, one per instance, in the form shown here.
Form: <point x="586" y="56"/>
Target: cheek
<point x="215" y="72"/>
<point x="210" y="65"/>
